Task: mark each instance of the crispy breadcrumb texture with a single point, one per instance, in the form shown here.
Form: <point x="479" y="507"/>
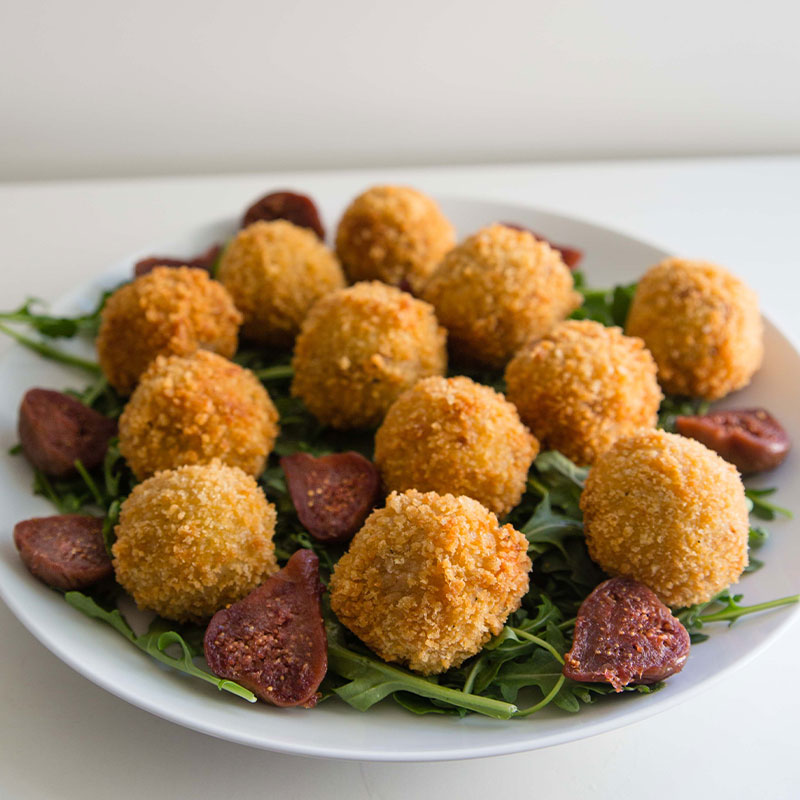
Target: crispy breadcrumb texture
<point x="430" y="579"/>
<point x="497" y="290"/>
<point x="193" y="540"/>
<point x="583" y="386"/>
<point x="167" y="311"/>
<point x="455" y="436"/>
<point x="193" y="409"/>
<point x="702" y="325"/>
<point x="360" y="348"/>
<point x="393" y="234"/>
<point x="275" y="271"/>
<point x="669" y="512"/>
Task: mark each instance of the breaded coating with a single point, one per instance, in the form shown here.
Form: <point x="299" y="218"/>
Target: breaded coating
<point x="497" y="290"/>
<point x="275" y="271"/>
<point x="393" y="234"/>
<point x="193" y="540"/>
<point x="702" y="325"/>
<point x="167" y="311"/>
<point x="430" y="579"/>
<point x="360" y="348"/>
<point x="455" y="436"/>
<point x="583" y="386"/>
<point x="193" y="409"/>
<point x="669" y="512"/>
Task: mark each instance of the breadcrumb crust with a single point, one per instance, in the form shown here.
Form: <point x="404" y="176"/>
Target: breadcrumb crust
<point x="167" y="311"/>
<point x="459" y="437"/>
<point x="667" y="511"/>
<point x="193" y="409"/>
<point x="430" y="579"/>
<point x="702" y="325"/>
<point x="275" y="272"/>
<point x="193" y="540"/>
<point x="583" y="386"/>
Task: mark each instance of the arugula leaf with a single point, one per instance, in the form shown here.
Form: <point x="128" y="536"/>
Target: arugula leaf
<point x="763" y="509"/>
<point x="606" y="306"/>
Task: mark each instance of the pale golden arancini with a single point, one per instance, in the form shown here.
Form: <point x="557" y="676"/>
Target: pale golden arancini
<point x="702" y="325"/>
<point x="455" y="436"/>
<point x="275" y="271"/>
<point x="167" y="311"/>
<point x="392" y="234"/>
<point x="497" y="290"/>
<point x="583" y="386"/>
<point x="667" y="511"/>
<point x="193" y="409"/>
<point x="360" y="348"/>
<point x="430" y="579"/>
<point x="193" y="540"/>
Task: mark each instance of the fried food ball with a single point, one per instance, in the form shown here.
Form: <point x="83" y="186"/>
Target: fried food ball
<point x="193" y="409"/>
<point x="393" y="234"/>
<point x="497" y="290"/>
<point x="430" y="579"/>
<point x="583" y="386"/>
<point x="669" y="512"/>
<point x="194" y="539"/>
<point x="702" y="325"/>
<point x="167" y="311"/>
<point x="459" y="437"/>
<point x="360" y="348"/>
<point x="275" y="271"/>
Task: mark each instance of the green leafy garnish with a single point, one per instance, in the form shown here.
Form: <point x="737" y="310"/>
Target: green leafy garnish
<point x="762" y="508"/>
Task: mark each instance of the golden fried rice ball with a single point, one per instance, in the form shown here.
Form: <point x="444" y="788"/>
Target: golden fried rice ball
<point x="167" y="311"/>
<point x="583" y="386"/>
<point x="498" y="289"/>
<point x="667" y="511"/>
<point x="275" y="271"/>
<point x="360" y="348"/>
<point x="194" y="539"/>
<point x="430" y="579"/>
<point x="392" y="234"/>
<point x="459" y="437"/>
<point x="702" y="325"/>
<point x="193" y="409"/>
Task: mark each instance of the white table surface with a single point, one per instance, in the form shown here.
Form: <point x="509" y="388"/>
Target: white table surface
<point x="63" y="737"/>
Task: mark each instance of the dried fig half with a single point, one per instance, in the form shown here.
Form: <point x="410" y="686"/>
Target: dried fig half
<point x="751" y="439"/>
<point x="273" y="642"/>
<point x="299" y="209"/>
<point x="205" y="260"/>
<point x="624" y="634"/>
<point x="332" y="494"/>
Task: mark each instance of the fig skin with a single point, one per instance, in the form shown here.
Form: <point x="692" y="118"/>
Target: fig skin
<point x="204" y="260"/>
<point x="749" y="438"/>
<point x="273" y="642"/>
<point x="299" y="209"/>
<point x="332" y="494"/>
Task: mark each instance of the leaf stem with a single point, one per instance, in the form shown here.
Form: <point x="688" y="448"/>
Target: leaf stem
<point x="87" y="479"/>
<point x="526" y="712"/>
<point x="541" y="642"/>
<point x="52" y="353"/>
<point x="733" y="613"/>
<point x="276" y="373"/>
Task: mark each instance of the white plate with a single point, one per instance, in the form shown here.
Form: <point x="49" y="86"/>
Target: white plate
<point x="387" y="733"/>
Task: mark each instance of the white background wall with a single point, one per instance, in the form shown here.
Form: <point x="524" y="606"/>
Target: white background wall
<point x="102" y="87"/>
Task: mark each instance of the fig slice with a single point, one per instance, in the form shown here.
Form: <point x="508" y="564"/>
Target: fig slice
<point x="56" y="430"/>
<point x="625" y="635"/>
<point x="273" y="642"/>
<point x="571" y="256"/>
<point x="65" y="551"/>
<point x="749" y="438"/>
<point x="204" y="261"/>
<point x="299" y="209"/>
<point x="332" y="494"/>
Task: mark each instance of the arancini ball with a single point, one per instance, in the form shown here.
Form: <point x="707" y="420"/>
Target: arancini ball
<point x="455" y="436"/>
<point x="193" y="540"/>
<point x="169" y="311"/>
<point x="667" y="511"/>
<point x="193" y="409"/>
<point x="275" y="271"/>
<point x="497" y="290"/>
<point x="702" y="325"/>
<point x="360" y="348"/>
<point x="393" y="234"/>
<point x="430" y="579"/>
<point x="583" y="386"/>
